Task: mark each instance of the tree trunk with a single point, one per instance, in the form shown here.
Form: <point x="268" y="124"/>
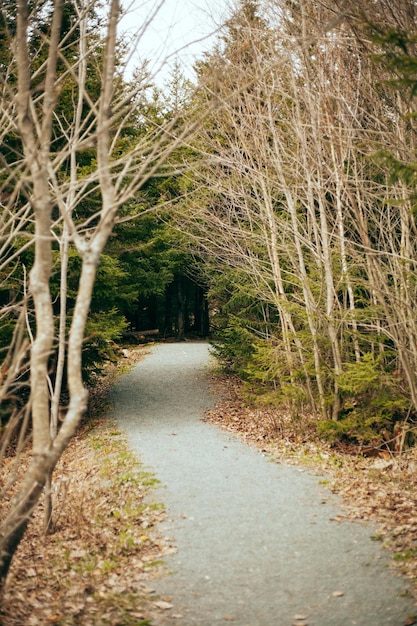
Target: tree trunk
<point x="181" y="306"/>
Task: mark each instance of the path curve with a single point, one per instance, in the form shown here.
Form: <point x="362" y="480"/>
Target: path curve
<point x="256" y="544"/>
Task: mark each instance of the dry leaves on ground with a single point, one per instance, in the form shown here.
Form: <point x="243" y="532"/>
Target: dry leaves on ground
<point x="382" y="489"/>
<point x="97" y="566"/>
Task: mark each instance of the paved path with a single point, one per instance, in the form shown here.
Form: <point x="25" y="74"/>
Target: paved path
<point x="256" y="544"/>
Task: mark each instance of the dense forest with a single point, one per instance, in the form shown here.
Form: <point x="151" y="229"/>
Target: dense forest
<point x="304" y="209"/>
<point x="271" y="205"/>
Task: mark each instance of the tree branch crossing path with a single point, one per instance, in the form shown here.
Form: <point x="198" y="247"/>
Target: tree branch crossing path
<point x="255" y="542"/>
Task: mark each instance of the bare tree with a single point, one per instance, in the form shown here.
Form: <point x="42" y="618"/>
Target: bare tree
<point x="300" y="203"/>
<point x="44" y="192"/>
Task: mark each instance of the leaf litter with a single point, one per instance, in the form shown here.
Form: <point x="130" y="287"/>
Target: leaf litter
<point x="97" y="566"/>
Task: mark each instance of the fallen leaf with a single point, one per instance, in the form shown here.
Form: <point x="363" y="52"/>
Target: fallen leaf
<point x="78" y="553"/>
<point x="165" y="606"/>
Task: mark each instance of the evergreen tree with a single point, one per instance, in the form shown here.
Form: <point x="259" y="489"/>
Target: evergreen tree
<point x="297" y="220"/>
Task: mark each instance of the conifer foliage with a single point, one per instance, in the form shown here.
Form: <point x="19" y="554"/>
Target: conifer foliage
<point x="306" y="208"/>
<point x="77" y="148"/>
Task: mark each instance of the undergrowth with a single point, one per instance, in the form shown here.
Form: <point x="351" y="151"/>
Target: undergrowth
<point x="94" y="570"/>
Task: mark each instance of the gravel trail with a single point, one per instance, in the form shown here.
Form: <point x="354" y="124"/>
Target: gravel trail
<point x="256" y="542"/>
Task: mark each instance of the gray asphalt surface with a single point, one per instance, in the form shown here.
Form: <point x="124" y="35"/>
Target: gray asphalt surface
<point x="256" y="544"/>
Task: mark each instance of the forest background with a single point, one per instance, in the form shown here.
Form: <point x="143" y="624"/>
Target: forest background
<point x="272" y="204"/>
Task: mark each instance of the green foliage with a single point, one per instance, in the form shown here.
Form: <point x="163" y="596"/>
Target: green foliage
<point x="106" y="324"/>
<point x="147" y="251"/>
<point x="270" y="378"/>
<point x="398" y="59"/>
<point x="103" y="329"/>
<point x="7" y="326"/>
<point x="372" y="401"/>
<point x="241" y="319"/>
<point x="398" y="56"/>
<point x="113" y="286"/>
<point x="234" y="347"/>
<point x="345" y="254"/>
<point x="360" y="378"/>
<point x="267" y="365"/>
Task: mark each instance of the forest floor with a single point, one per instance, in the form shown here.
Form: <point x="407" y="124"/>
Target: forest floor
<point x="97" y="568"/>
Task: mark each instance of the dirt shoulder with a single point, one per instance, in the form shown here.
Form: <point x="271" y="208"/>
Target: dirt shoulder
<point x="98" y="565"/>
<point x="381" y="489"/>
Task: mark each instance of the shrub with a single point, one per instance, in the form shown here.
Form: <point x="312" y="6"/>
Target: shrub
<point x="372" y="403"/>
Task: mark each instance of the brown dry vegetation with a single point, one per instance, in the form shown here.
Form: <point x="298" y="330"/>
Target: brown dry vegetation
<point x="97" y="567"/>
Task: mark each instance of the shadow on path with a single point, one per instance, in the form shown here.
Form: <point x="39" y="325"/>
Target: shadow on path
<point x="256" y="544"/>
